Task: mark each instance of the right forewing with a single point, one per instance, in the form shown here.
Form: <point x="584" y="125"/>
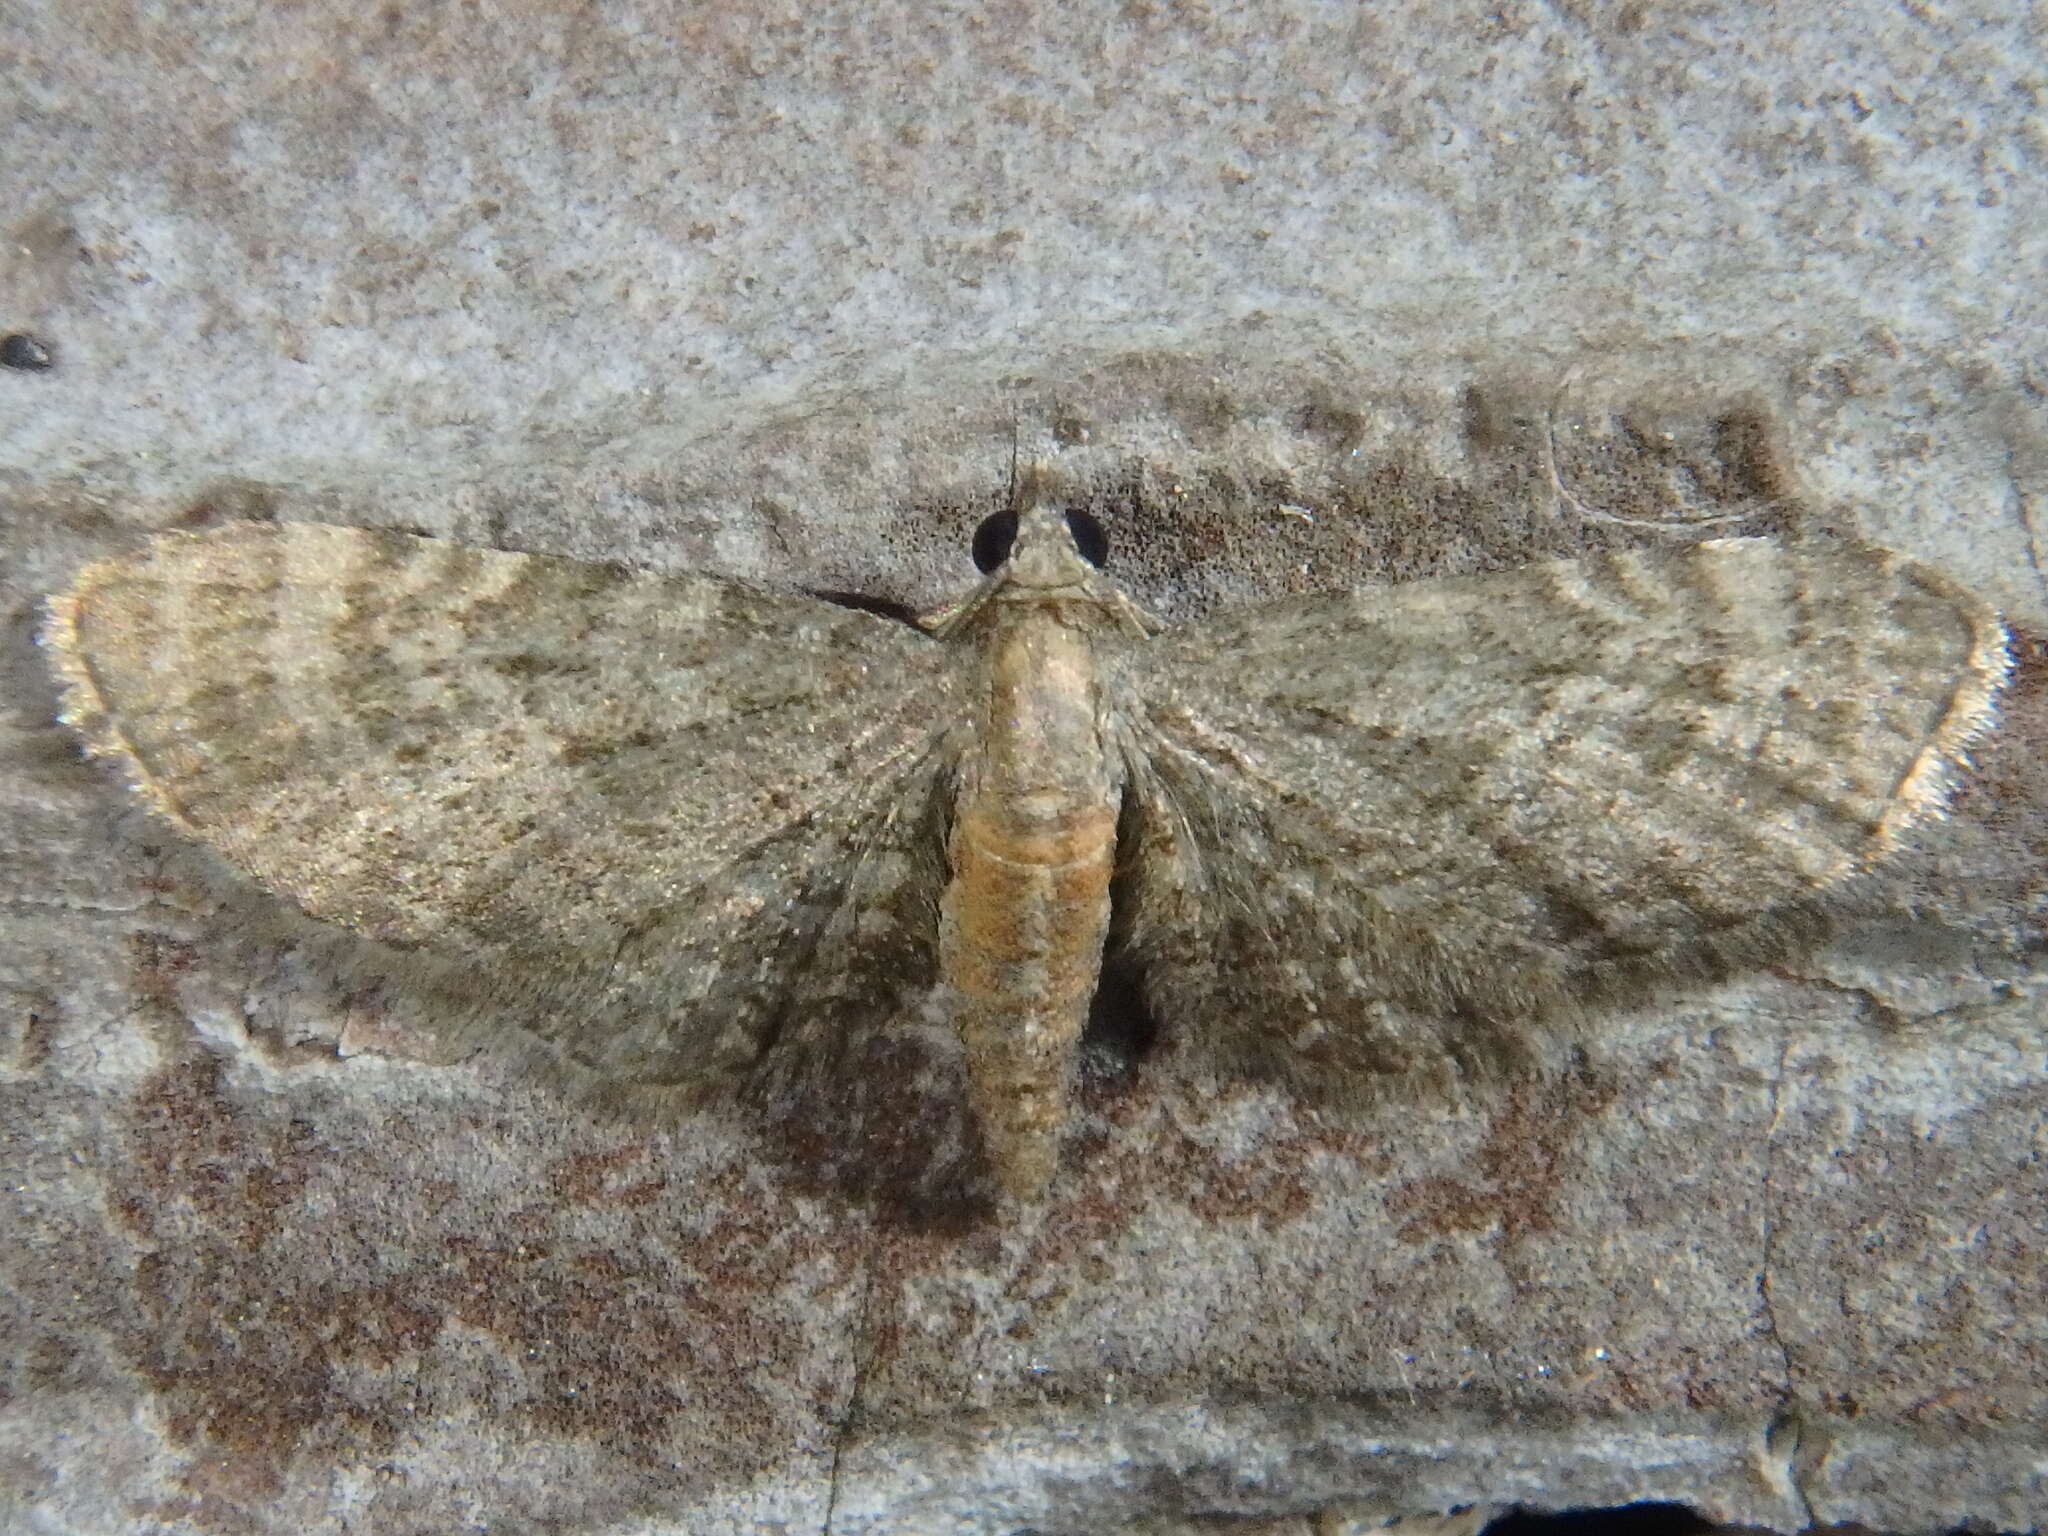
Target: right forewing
<point x="1500" y="795"/>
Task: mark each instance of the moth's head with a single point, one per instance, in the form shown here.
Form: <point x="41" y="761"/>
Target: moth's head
<point x="1037" y="545"/>
<point x="1039" y="551"/>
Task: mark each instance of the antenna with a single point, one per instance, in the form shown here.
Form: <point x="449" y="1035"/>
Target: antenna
<point x="1016" y="432"/>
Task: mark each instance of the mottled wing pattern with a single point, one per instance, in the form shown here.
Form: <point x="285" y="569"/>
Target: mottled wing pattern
<point x="651" y="816"/>
<point x="1366" y="831"/>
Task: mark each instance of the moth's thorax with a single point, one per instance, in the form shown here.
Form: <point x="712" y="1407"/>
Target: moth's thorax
<point x="1027" y="910"/>
<point x="1041" y="737"/>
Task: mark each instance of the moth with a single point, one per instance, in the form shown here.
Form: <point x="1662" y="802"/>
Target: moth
<point x="690" y="837"/>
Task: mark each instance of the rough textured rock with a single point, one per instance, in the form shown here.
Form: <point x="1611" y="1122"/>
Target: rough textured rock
<point x="1296" y="297"/>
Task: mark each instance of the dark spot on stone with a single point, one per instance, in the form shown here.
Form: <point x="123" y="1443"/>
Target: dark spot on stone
<point x="25" y="353"/>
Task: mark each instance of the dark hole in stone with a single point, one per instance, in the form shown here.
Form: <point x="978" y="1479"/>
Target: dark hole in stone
<point x="25" y="354"/>
<point x="1621" y="1520"/>
<point x="1121" y="1028"/>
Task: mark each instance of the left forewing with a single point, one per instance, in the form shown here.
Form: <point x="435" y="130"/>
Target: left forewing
<point x="643" y="813"/>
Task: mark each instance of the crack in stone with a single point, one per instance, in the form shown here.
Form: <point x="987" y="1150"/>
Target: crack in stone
<point x="863" y="1358"/>
<point x="1766" y="1256"/>
<point x="32" y="905"/>
<point x="1784" y="1437"/>
<point x="1784" y="1433"/>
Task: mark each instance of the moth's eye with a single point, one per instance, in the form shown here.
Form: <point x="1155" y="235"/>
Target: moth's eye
<point x="992" y="541"/>
<point x="1089" y="538"/>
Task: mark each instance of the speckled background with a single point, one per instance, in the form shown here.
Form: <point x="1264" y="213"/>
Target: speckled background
<point x="1294" y="295"/>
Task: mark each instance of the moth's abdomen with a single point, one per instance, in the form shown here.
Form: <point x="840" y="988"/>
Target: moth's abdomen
<point x="1024" y="922"/>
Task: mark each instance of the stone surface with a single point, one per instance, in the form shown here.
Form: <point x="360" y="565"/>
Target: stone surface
<point x="1298" y="297"/>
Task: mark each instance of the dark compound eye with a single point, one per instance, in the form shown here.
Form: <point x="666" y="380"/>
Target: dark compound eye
<point x="992" y="540"/>
<point x="1089" y="538"/>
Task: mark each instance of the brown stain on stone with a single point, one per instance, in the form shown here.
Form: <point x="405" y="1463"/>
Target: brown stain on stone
<point x="1521" y="1165"/>
<point x="264" y="1351"/>
<point x="241" y="1347"/>
<point x="195" y="1147"/>
<point x="601" y="1177"/>
<point x="157" y="962"/>
<point x="230" y="501"/>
